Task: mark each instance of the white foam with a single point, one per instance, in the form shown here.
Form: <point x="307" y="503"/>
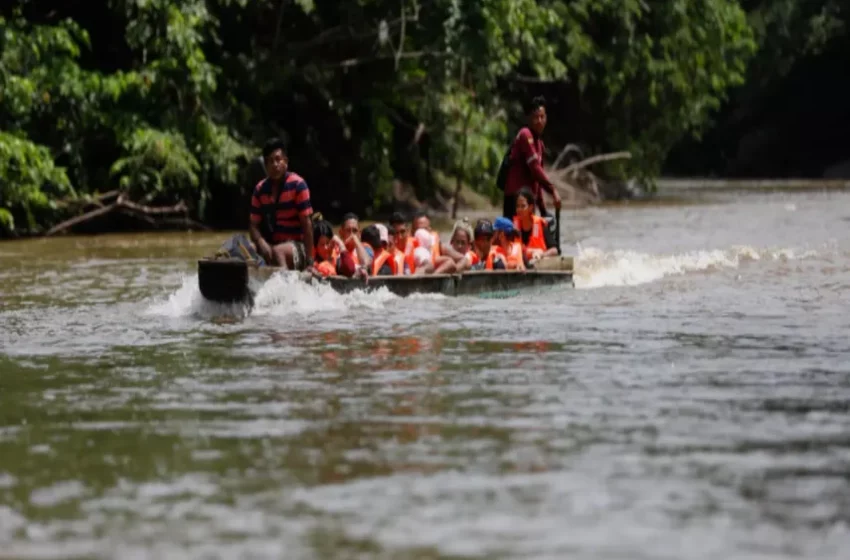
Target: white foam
<point x="595" y="268"/>
<point x="187" y="301"/>
<point x="283" y="294"/>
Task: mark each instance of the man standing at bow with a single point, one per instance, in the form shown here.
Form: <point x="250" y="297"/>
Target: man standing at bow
<point x="526" y="163"/>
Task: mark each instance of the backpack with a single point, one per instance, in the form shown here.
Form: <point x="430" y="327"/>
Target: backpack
<point x="502" y="175"/>
<point x="239" y="247"/>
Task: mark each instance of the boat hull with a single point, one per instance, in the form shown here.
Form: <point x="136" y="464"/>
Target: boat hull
<point x="237" y="281"/>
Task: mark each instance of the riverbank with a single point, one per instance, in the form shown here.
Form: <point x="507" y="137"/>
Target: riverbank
<point x="472" y="204"/>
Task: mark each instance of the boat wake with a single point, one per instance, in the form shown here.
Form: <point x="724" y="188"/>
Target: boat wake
<point x="282" y="294"/>
<point x="595" y="268"/>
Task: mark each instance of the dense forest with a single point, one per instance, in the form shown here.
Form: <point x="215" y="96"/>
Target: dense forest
<point x="167" y="101"/>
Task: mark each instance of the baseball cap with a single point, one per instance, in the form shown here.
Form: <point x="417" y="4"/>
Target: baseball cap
<point x="384" y="233"/>
<point x="503" y="224"/>
<point x="483" y="227"/>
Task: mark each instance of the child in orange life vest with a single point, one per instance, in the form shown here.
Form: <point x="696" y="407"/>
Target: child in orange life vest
<point x="404" y="244"/>
<point x="377" y="238"/>
<point x="330" y="255"/>
<point x="534" y="230"/>
<point x="483" y="236"/>
<point x="506" y="251"/>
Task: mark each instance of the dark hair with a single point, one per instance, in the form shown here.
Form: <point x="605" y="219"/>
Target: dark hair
<point x="372" y="236"/>
<point x="322" y="228"/>
<point x="536" y="103"/>
<point x="349" y="216"/>
<point x="483" y="227"/>
<point x="420" y="214"/>
<point x="527" y="195"/>
<point x="272" y="145"/>
<point x="397" y="218"/>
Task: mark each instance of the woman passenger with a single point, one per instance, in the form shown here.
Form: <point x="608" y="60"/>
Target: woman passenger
<point x="461" y="242"/>
<point x="534" y="231"/>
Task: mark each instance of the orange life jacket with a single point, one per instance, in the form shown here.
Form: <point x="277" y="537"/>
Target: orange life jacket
<point x="409" y="247"/>
<point x="401" y="259"/>
<point x="537" y="239"/>
<point x="472" y="257"/>
<point x="435" y="246"/>
<point x="514" y="255"/>
<point x="382" y="259"/>
<point x="326" y="267"/>
<point x="496" y="254"/>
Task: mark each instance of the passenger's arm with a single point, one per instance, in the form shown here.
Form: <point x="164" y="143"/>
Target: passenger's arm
<point x="362" y="255"/>
<point x="449" y="251"/>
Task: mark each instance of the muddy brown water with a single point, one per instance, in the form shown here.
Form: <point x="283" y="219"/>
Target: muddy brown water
<point x="688" y="399"/>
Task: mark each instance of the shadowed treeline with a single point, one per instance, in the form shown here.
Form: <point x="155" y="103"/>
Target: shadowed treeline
<point x="163" y="103"/>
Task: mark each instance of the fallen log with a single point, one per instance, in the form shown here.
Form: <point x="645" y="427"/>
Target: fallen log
<point x="153" y="210"/>
<point x="89" y="200"/>
<point x="568" y="149"/>
<point x="155" y="216"/>
<point x="576" y="183"/>
<point x="81" y="219"/>
<point x="591" y="160"/>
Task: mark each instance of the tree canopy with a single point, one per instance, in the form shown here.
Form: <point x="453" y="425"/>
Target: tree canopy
<point x="169" y="100"/>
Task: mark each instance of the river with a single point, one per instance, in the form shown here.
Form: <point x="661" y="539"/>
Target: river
<point x="687" y="400"/>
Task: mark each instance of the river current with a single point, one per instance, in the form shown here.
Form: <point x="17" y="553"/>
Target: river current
<point x="688" y="399"/>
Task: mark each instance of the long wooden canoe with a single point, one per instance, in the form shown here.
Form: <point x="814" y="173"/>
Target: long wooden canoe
<point x="235" y="280"/>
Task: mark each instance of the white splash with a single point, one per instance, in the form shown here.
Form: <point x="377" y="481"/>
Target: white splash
<point x="283" y="294"/>
<point x="595" y="268"/>
<point x="187" y="301"/>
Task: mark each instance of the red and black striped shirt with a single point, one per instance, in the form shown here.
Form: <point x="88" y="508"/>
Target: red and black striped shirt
<point x="293" y="201"/>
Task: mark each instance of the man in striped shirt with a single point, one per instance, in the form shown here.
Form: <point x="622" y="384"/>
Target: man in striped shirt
<point x="281" y="226"/>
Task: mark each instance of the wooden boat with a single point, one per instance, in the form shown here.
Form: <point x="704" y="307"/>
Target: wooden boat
<point x="230" y="280"/>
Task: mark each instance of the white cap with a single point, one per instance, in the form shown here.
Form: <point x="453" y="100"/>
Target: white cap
<point x="385" y="234"/>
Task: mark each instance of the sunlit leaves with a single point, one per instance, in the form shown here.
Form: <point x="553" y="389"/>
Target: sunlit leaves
<point x="156" y="161"/>
<point x="28" y="177"/>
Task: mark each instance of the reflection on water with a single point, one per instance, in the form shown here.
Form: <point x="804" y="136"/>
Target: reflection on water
<point x="688" y="400"/>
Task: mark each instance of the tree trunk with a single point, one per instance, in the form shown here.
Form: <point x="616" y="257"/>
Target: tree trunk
<point x="462" y="167"/>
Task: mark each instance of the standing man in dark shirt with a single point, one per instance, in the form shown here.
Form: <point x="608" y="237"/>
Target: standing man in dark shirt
<point x="526" y="162"/>
<point x="281" y="227"/>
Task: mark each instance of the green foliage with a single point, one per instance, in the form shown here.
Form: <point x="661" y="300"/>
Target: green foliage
<point x="657" y="69"/>
<point x="198" y="84"/>
<point x="156" y="162"/>
<point x="789" y="30"/>
<point x="154" y="120"/>
<point x="473" y="145"/>
<point x="29" y="180"/>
